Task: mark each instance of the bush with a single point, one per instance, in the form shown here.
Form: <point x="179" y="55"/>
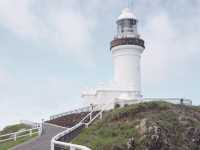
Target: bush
<point x="117" y="106"/>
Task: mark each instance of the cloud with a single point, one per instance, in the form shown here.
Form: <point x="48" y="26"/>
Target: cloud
<point x="82" y="30"/>
<point x="17" y="17"/>
<point x="171" y="40"/>
<point x="59" y="24"/>
<point x="37" y="98"/>
<point x="4" y="75"/>
<point x="160" y="36"/>
<point x="67" y="28"/>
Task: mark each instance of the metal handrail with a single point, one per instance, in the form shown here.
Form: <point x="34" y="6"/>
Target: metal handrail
<point x="84" y="109"/>
<point x="171" y="100"/>
<point x="72" y="146"/>
<point x="76" y="126"/>
<point x="15" y="135"/>
<point x="55" y="141"/>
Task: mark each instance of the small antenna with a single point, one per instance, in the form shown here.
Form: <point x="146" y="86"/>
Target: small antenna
<point x="130" y="4"/>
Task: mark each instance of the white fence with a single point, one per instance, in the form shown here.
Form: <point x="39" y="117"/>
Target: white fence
<point x="123" y="103"/>
<point x="84" y="109"/>
<point x="30" y="123"/>
<point x="170" y="100"/>
<point x="23" y="133"/>
<point x="84" y="122"/>
<point x="59" y="145"/>
<point x="64" y="145"/>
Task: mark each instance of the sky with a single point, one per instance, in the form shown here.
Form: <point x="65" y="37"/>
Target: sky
<point x="51" y="50"/>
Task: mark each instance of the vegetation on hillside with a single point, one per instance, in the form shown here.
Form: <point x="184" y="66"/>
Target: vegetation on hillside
<point x="145" y="126"/>
<point x="10" y="144"/>
<point x="14" y="128"/>
<point x="11" y="129"/>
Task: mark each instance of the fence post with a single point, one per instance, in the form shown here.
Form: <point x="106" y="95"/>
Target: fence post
<point x="90" y="116"/>
<point x="101" y="115"/>
<point x="41" y="127"/>
<point x="72" y="148"/>
<point x="52" y="145"/>
<point x="30" y="132"/>
<point x="15" y="136"/>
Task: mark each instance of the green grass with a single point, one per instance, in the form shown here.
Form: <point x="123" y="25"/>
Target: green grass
<point x="10" y="144"/>
<point x="14" y="128"/>
<point x="117" y="126"/>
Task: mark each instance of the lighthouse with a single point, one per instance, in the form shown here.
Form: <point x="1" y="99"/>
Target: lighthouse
<point x="126" y="49"/>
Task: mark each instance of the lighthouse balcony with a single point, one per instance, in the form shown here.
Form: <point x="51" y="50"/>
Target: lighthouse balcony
<point x="127" y="41"/>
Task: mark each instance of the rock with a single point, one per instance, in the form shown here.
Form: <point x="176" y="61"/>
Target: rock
<point x="155" y="139"/>
<point x="117" y="147"/>
<point x="131" y="144"/>
<point x="195" y="139"/>
<point x="142" y="127"/>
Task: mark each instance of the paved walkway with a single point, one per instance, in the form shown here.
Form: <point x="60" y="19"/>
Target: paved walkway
<point x="43" y="142"/>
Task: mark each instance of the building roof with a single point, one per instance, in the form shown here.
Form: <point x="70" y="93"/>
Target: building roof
<point x="126" y="14"/>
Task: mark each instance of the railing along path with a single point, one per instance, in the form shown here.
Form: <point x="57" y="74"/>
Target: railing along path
<point x="178" y="101"/>
<point x="16" y="135"/>
<point x="60" y="141"/>
<point x="84" y="109"/>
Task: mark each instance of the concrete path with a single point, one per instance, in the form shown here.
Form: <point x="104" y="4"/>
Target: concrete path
<point x="43" y="142"/>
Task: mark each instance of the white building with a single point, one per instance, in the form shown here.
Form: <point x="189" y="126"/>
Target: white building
<point x="126" y="49"/>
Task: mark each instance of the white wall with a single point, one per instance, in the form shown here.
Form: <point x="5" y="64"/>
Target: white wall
<point x="126" y="61"/>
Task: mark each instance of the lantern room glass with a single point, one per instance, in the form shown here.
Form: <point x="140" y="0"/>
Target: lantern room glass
<point x="127" y="27"/>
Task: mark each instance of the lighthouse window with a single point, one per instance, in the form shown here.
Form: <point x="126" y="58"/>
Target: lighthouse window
<point x="126" y="25"/>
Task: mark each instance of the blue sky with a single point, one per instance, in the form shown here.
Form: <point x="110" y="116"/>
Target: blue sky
<point x="51" y="50"/>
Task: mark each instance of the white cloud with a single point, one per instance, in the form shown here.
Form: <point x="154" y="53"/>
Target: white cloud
<point x="159" y="36"/>
<point x="37" y="98"/>
<point x="171" y="33"/>
<point x="71" y="31"/>
<point x="17" y="17"/>
<point x="4" y="74"/>
<point x="66" y="28"/>
<point x="171" y="41"/>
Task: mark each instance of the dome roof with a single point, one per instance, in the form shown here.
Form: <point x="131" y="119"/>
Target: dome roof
<point x="126" y="14"/>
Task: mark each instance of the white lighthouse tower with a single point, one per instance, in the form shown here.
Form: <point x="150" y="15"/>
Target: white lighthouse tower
<point x="126" y="49"/>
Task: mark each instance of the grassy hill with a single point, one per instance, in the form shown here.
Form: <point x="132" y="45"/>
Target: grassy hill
<point x="10" y="144"/>
<point x="14" y="128"/>
<point x="11" y="129"/>
<point x="145" y="126"/>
